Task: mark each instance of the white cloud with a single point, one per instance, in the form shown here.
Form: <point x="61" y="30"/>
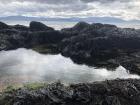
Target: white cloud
<point x="125" y="9"/>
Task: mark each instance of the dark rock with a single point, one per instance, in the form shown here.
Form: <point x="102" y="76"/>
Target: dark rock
<point x="75" y="30"/>
<point x="38" y="26"/>
<point x="102" y="45"/>
<point x="20" y="36"/>
<point x="11" y="40"/>
<point x="113" y="92"/>
<point x="21" y="27"/>
<point x="45" y="37"/>
<point x="131" y="62"/>
<point x="78" y="27"/>
<point x="3" y="26"/>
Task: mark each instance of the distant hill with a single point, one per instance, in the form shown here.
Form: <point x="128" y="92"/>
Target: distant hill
<point x="74" y="19"/>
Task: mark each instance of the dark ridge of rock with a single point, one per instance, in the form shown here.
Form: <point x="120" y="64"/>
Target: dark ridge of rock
<point x="38" y="26"/>
<point x="98" y="51"/>
<point x="102" y="30"/>
<point x="45" y="37"/>
<point x="80" y="26"/>
<point x="28" y="39"/>
<point x="44" y="41"/>
<point x="18" y="36"/>
<point x="3" y="26"/>
<point x="76" y="29"/>
<point x="11" y="40"/>
<point x="103" y="45"/>
<point x="111" y="92"/>
<point x="8" y="32"/>
<point x="21" y="27"/>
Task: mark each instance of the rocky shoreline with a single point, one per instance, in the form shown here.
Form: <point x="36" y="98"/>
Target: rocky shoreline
<point x="113" y="92"/>
<point x="103" y="45"/>
<point x="99" y="45"/>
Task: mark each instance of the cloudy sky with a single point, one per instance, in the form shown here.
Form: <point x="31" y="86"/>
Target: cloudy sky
<point x="125" y="9"/>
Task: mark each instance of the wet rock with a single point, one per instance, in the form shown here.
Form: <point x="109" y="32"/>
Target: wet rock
<point x="102" y="45"/>
<point x="112" y="92"/>
<point x="131" y="62"/>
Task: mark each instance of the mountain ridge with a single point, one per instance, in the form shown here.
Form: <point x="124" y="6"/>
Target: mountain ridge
<point x="72" y="19"/>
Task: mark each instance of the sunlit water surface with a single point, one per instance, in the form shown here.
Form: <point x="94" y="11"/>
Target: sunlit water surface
<point x="22" y="65"/>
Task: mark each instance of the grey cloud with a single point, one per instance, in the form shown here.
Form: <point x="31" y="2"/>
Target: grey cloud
<point x="126" y="9"/>
<point x="42" y="1"/>
<point x="66" y="1"/>
<point x="73" y="1"/>
<point x="106" y="1"/>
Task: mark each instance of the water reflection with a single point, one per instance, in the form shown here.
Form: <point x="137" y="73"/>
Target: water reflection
<point x="22" y="65"/>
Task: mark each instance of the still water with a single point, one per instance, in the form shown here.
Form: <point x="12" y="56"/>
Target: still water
<point x="25" y="65"/>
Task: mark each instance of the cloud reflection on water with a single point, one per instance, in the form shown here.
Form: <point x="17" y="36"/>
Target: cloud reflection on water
<point x="28" y="65"/>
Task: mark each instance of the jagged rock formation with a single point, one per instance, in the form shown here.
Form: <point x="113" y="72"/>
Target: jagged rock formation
<point x="113" y="92"/>
<point x="38" y="34"/>
<point x="103" y="45"/>
<point x="37" y="26"/>
<point x="100" y="45"/>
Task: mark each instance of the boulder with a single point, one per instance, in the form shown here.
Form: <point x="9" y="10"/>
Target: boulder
<point x="38" y="26"/>
<point x="3" y="26"/>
